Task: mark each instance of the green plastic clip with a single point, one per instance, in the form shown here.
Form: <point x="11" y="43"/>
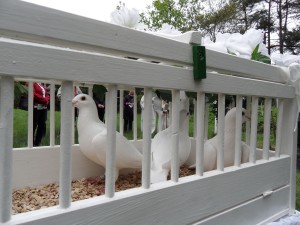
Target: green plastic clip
<point x="199" y="58"/>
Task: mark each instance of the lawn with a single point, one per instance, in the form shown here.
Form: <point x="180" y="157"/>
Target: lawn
<point x="20" y="136"/>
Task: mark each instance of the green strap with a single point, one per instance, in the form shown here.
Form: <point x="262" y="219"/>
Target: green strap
<point x="199" y="58"/>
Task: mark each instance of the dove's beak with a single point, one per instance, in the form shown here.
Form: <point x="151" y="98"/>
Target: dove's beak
<point x="74" y="103"/>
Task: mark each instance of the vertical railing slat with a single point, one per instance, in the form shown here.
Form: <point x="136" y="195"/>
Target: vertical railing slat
<point x="253" y="136"/>
<point x="220" y="132"/>
<point x="206" y="120"/>
<point x="135" y="116"/>
<point x="279" y="127"/>
<point x="30" y="115"/>
<point x="6" y="146"/>
<point x="195" y="117"/>
<point x="66" y="141"/>
<point x="175" y="135"/>
<point x="267" y="126"/>
<point x="147" y="121"/>
<point x="200" y="117"/>
<point x="121" y="107"/>
<point x="52" y="114"/>
<point x="248" y="122"/>
<point x="110" y="169"/>
<point x="238" y="130"/>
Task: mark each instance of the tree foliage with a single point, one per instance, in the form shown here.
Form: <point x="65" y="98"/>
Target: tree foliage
<point x="275" y="17"/>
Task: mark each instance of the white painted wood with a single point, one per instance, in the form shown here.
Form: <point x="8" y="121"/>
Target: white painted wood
<point x="195" y="118"/>
<point x="39" y="166"/>
<point x="84" y="32"/>
<point x="147" y="121"/>
<point x="6" y="145"/>
<point x="121" y="107"/>
<point x="254" y="109"/>
<point x="109" y="36"/>
<point x="267" y="126"/>
<point x="289" y="144"/>
<point x="248" y="127"/>
<point x="52" y="114"/>
<point x="279" y="126"/>
<point x="200" y="109"/>
<point x="220" y="62"/>
<point x="66" y="140"/>
<point x="221" y="129"/>
<point x="110" y="170"/>
<point x="206" y="121"/>
<point x="67" y="64"/>
<point x="66" y="53"/>
<point x="106" y="113"/>
<point x="238" y="131"/>
<point x="183" y="200"/>
<point x="135" y="122"/>
<point x="175" y="136"/>
<point x="243" y="214"/>
<point x="30" y="115"/>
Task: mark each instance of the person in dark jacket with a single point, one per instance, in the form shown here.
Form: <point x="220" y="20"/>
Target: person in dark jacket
<point x="41" y="100"/>
<point x="128" y="111"/>
<point x="100" y="107"/>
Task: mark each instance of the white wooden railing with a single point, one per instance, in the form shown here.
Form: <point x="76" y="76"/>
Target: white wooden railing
<point x="41" y="44"/>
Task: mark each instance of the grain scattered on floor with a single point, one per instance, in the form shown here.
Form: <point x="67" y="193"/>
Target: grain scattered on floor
<point x="33" y="198"/>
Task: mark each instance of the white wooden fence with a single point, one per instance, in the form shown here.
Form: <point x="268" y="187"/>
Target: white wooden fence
<point x="38" y="43"/>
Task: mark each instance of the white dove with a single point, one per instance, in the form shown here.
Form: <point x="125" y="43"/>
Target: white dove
<point x="161" y="147"/>
<point x="92" y="136"/>
<point x="211" y="145"/>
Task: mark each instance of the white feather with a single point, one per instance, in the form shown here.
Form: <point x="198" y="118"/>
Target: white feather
<point x="161" y="147"/>
<point x="211" y="145"/>
<point x="92" y="136"/>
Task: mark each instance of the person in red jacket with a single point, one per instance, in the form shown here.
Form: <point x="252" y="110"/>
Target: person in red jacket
<point x="40" y="103"/>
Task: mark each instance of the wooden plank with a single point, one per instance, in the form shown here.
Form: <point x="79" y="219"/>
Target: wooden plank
<point x="223" y="63"/>
<point x="267" y="127"/>
<point x="66" y="140"/>
<point x="221" y="132"/>
<point x="57" y="64"/>
<point x="253" y="136"/>
<point x="147" y="122"/>
<point x="238" y="130"/>
<point x="45" y="25"/>
<point x="6" y="146"/>
<point x="33" y="167"/>
<point x="254" y="211"/>
<point x="191" y="199"/>
<point x="175" y="135"/>
<point x="111" y="123"/>
<point x="200" y="133"/>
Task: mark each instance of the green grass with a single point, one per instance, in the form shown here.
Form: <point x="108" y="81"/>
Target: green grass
<point x="20" y="136"/>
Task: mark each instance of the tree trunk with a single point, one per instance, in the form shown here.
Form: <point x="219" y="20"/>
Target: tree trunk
<point x="269" y="27"/>
<point x="279" y="12"/>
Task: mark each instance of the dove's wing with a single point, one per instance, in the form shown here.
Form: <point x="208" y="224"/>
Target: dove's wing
<point x="127" y="155"/>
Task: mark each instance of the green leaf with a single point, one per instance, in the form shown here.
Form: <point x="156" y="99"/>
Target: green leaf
<point x="258" y="56"/>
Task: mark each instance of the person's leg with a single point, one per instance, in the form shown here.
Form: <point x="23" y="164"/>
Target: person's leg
<point x="125" y="125"/>
<point x="130" y="125"/>
<point x="35" y="123"/>
<point x="41" y="129"/>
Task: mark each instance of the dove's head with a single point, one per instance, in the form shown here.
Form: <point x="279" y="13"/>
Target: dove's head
<point x="184" y="103"/>
<point x="231" y="115"/>
<point x="82" y="100"/>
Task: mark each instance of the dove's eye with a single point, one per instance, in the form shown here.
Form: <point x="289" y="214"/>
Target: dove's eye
<point x="83" y="98"/>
